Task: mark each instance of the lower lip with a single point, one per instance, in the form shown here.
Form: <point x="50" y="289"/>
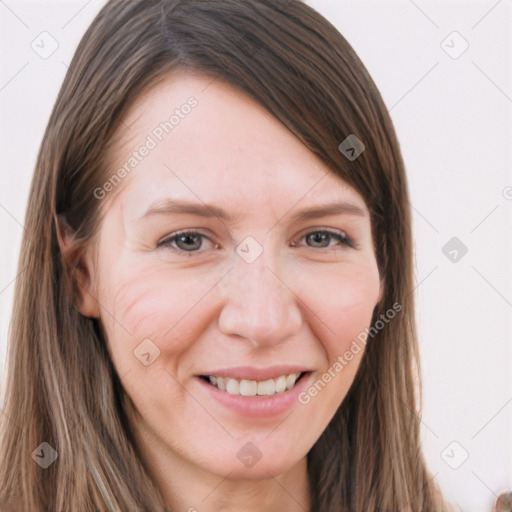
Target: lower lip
<point x="258" y="406"/>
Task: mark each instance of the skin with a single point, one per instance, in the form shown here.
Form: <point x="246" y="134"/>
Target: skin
<point x="301" y="301"/>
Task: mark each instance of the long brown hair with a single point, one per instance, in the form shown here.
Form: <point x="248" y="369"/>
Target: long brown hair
<point x="61" y="385"/>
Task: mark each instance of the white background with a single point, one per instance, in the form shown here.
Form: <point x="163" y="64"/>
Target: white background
<point x="453" y="118"/>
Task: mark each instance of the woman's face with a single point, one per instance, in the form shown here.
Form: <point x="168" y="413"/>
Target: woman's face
<point x="273" y="281"/>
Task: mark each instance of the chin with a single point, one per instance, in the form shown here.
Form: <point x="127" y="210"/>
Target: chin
<point x="262" y="470"/>
<point x="252" y="463"/>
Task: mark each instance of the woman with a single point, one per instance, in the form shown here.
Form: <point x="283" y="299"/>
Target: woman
<point x="216" y="307"/>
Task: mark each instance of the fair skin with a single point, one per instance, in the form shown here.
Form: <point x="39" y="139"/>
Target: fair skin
<point x="294" y="309"/>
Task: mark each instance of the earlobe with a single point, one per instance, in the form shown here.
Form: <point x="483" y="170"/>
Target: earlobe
<point x="78" y="269"/>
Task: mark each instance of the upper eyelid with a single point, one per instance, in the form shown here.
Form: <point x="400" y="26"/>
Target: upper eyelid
<point x="174" y="234"/>
<point x="350" y="241"/>
<point x="307" y="231"/>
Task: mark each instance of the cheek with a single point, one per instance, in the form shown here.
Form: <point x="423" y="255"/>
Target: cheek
<point x="152" y="302"/>
<point x="342" y="301"/>
<point x="341" y="304"/>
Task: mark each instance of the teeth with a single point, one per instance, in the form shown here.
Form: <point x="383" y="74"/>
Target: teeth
<point x="290" y="380"/>
<point x="233" y="387"/>
<point x="252" y="387"/>
<point x="266" y="387"/>
<point x="280" y="384"/>
<point x="249" y="388"/>
<point x="221" y="383"/>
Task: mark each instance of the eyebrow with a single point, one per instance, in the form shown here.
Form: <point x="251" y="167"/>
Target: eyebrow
<point x="176" y="206"/>
<point x="337" y="208"/>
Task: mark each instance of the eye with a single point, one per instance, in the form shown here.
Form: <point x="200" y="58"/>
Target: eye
<point x="192" y="241"/>
<point x="187" y="241"/>
<point x="321" y="239"/>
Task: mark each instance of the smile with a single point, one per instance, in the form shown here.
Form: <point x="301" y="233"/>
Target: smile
<point x="246" y="387"/>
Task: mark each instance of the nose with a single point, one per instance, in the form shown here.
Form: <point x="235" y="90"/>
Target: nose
<point x="259" y="303"/>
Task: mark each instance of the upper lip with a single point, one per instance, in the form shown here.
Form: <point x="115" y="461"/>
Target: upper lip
<point x="254" y="373"/>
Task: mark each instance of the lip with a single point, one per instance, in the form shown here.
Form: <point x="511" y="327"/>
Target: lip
<point x="253" y="373"/>
<point x="258" y="406"/>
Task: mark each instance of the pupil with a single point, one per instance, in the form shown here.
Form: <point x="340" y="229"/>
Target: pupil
<point x="188" y="240"/>
<point x="320" y="238"/>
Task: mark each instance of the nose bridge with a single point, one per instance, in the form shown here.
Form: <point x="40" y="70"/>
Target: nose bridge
<point x="258" y="305"/>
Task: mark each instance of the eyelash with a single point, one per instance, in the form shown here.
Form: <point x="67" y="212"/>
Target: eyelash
<point x="341" y="237"/>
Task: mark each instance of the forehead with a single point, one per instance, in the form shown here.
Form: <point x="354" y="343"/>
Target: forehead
<point x="211" y="142"/>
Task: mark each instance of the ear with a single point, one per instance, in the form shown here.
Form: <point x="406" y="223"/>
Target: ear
<point x="78" y="267"/>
